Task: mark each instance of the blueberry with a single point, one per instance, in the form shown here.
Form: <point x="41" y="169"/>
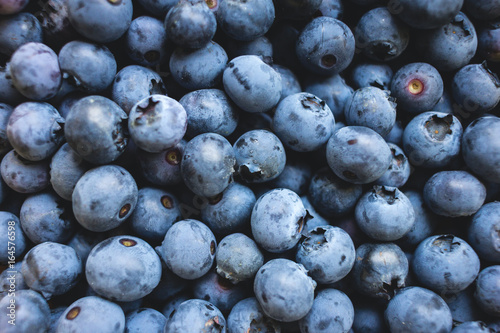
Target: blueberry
<point x="12" y="277"/>
<point x="284" y="301"/>
<point x="472" y="327"/>
<point x="253" y="85"/>
<point x="56" y="26"/>
<point x="11" y="229"/>
<point x="278" y="218"/>
<point x="156" y="211"/>
<point x="432" y="139"/>
<point x="32" y="313"/>
<point x="123" y="268"/>
<point x="488" y="41"/>
<point x="315" y="219"/>
<point x="260" y="156"/>
<point x="325" y="46"/>
<point x="208" y="164"/>
<point x="88" y="67"/>
<point x="93" y="314"/>
<point x="380" y="269"/>
<point x="487" y="294"/>
<point x="296" y="176"/>
<point x="247" y="316"/>
<point x="173" y="302"/>
<point x="190" y="23"/>
<point x="189" y="66"/>
<point x="188" y="249"/>
<point x="158" y="8"/>
<point x="84" y="241"/>
<point x="17" y="30"/>
<point x="416" y="309"/>
<point x="303" y="122"/>
<point x="5" y="112"/>
<point x="454" y="193"/>
<point x="328" y="254"/>
<point x="35" y="71"/>
<point x="369" y="318"/>
<point x="371" y="74"/>
<point x="245" y="20"/>
<point x="332" y="312"/>
<point x="463" y="306"/>
<point x="47" y="218"/>
<point x="196" y="315"/>
<point x="260" y="46"/>
<point x="104" y="197"/>
<point x="238" y="258"/>
<point x="170" y="286"/>
<point x="35" y="130"/>
<point x="358" y="154"/>
<point x="484" y="232"/>
<point x="483" y="9"/>
<point x="289" y="82"/>
<point x="12" y="6"/>
<point x="96" y="129"/>
<point x="99" y="20"/>
<point x="134" y="83"/>
<point x="445" y="264"/>
<point x="157" y="123"/>
<point x="147" y="41"/>
<point x="22" y="175"/>
<point x="398" y="172"/>
<point x="51" y="269"/>
<point x="428" y="14"/>
<point x="145" y="319"/>
<point x="209" y="111"/>
<point x="8" y="92"/>
<point x="162" y="168"/>
<point x="297" y="10"/>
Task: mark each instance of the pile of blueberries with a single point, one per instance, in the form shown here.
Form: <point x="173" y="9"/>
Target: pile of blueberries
<point x="244" y="166"/>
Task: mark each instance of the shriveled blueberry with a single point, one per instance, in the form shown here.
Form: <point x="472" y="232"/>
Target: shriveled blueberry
<point x="24" y="176"/>
<point x="32" y="313"/>
<point x="163" y="168"/>
<point x="196" y="315"/>
<point x="247" y="316"/>
<point x="484" y="232"/>
<point x="145" y="319"/>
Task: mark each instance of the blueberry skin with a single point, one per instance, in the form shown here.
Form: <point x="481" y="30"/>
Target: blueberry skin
<point x="170" y="286"/>
<point x="96" y="129"/>
<point x="156" y="211"/>
<point x="283" y="301"/>
<point x="188" y="249"/>
<point x="123" y="268"/>
<point x="483" y="9"/>
<point x="134" y="83"/>
<point x="328" y="254"/>
<point x="358" y="154"/>
<point x="476" y="89"/>
<point x="289" y="82"/>
<point x="209" y="111"/>
<point x="145" y="319"/>
<point x="32" y="311"/>
<point x="208" y="164"/>
<point x="472" y="327"/>
<point x="488" y="36"/>
<point x="104" y="197"/>
<point x="487" y="294"/>
<point x="332" y="312"/>
<point x="17" y="30"/>
<point x="416" y="309"/>
<point x="47" y="218"/>
<point x="454" y="193"/>
<point x="51" y="269"/>
<point x="247" y="316"/>
<point x="315" y="219"/>
<point x="190" y="24"/>
<point x="24" y="176"/>
<point x="157" y="123"/>
<point x="8" y="92"/>
<point x="196" y="315"/>
<point x="162" y="168"/>
<point x="369" y="318"/>
<point x="230" y="211"/>
<point x="35" y="130"/>
<point x="189" y="66"/>
<point x="99" y="20"/>
<point x="260" y="156"/>
<point x="373" y="108"/>
<point x="253" y="85"/>
<point x="157" y="8"/>
<point x="10" y="275"/>
<point x="84" y="241"/>
<point x="297" y="10"/>
<point x="331" y="8"/>
<point x="35" y="71"/>
<point x="173" y="303"/>
<point x="87" y="66"/>
<point x="66" y="168"/>
<point x="332" y="196"/>
<point x="384" y="213"/>
<point x="7" y="221"/>
<point x="12" y="6"/>
<point x="277" y="220"/>
<point x="417" y="87"/>
<point x="483" y="234"/>
<point x="147" y="41"/>
<point x="463" y="306"/>
<point x="428" y="14"/>
<point x="451" y="46"/>
<point x="432" y="139"/>
<point x="247" y="20"/>
<point x="445" y="264"/>
<point x="371" y="74"/>
<point x="260" y="46"/>
<point x="479" y="148"/>
<point x="381" y="36"/>
<point x="325" y="46"/>
<point x="333" y="90"/>
<point x="238" y="258"/>
<point x="303" y="122"/>
<point x="94" y="314"/>
<point x="379" y="269"/>
<point x="5" y="112"/>
<point x="398" y="172"/>
<point x="296" y="176"/>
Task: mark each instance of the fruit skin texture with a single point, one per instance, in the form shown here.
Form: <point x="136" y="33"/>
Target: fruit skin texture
<point x="32" y="311"/>
<point x="247" y="314"/>
<point x="196" y="315"/>
<point x="484" y="232"/>
<point x="487" y="293"/>
<point x="428" y="14"/>
<point x="280" y="299"/>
